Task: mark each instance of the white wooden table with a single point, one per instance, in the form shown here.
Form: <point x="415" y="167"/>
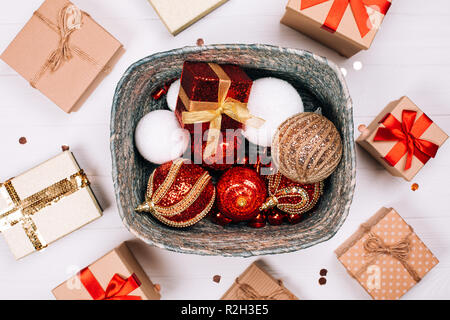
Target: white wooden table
<point x="409" y="57"/>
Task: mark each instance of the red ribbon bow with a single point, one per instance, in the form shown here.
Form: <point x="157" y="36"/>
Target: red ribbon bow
<point x="117" y="289"/>
<point x="359" y="12"/>
<point x="407" y="133"/>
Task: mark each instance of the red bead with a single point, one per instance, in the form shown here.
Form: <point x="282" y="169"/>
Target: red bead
<point x="240" y="193"/>
<point x="220" y="219"/>
<point x="295" y="218"/>
<point x="258" y="222"/>
<point x="276" y="217"/>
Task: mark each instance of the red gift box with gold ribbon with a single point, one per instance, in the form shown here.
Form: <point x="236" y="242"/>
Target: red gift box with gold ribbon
<point x="214" y="98"/>
<point x="403" y="138"/>
<point x="115" y="276"/>
<point x="347" y="26"/>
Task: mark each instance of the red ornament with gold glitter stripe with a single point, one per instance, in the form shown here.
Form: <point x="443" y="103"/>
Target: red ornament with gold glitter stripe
<point x="291" y="197"/>
<point x="179" y="194"/>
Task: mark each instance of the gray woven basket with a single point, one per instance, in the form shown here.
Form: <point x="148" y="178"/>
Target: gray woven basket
<point x="320" y="83"/>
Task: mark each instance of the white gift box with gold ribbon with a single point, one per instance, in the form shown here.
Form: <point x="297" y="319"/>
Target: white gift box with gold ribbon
<point x="177" y="15"/>
<point x="44" y="204"/>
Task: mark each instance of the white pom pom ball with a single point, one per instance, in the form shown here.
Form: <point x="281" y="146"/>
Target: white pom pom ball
<point x="159" y="137"/>
<point x="172" y="95"/>
<point x="273" y="100"/>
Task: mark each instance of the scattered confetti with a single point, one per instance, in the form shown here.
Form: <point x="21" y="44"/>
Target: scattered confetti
<point x="23" y="140"/>
<point x="362" y="128"/>
<point x="200" y="42"/>
<point x="357" y="65"/>
<point x="323" y="272"/>
<point x="157" y="287"/>
<point x="65" y="148"/>
<point x="322" y="281"/>
<point x="415" y="187"/>
<point x="217" y="279"/>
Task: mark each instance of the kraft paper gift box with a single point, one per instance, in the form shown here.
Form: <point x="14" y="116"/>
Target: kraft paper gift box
<point x="115" y="276"/>
<point x="402" y="138"/>
<point x="44" y="204"/>
<point x="257" y="284"/>
<point x="345" y="26"/>
<point x="63" y="53"/>
<point x="386" y="257"/>
<point x="177" y="15"/>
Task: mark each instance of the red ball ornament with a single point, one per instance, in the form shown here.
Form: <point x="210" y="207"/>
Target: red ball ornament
<point x="291" y="197"/>
<point x="228" y="152"/>
<point x="220" y="219"/>
<point x="259" y="221"/>
<point x="240" y="193"/>
<point x="276" y="217"/>
<point x="179" y="194"/>
<point x="295" y="218"/>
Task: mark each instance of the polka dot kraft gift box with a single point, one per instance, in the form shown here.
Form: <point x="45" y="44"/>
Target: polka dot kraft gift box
<point x="386" y="256"/>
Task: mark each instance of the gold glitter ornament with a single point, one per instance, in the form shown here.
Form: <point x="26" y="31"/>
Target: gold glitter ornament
<point x="307" y="148"/>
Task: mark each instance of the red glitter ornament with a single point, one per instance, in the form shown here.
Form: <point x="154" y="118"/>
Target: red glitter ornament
<point x="240" y="193"/>
<point x="179" y="194"/>
<point x="291" y="197"/>
<point x="227" y="154"/>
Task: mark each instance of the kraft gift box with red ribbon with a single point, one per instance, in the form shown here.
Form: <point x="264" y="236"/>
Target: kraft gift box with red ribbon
<point x="347" y="26"/>
<point x="403" y="138"/>
<point x="386" y="256"/>
<point x="115" y="276"/>
<point x="63" y="53"/>
<point x="213" y="98"/>
<point x="46" y="203"/>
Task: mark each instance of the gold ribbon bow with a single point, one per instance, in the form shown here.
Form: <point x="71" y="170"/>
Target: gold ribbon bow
<point x="247" y="292"/>
<point x="21" y="211"/>
<point x="69" y="20"/>
<point x="212" y="111"/>
<point x="375" y="246"/>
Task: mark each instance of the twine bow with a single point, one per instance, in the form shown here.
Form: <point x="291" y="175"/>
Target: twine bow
<point x="359" y="10"/>
<point x="118" y="288"/>
<point x="375" y="246"/>
<point x="213" y="112"/>
<point x="407" y="133"/>
<point x="69" y="20"/>
<point x="247" y="292"/>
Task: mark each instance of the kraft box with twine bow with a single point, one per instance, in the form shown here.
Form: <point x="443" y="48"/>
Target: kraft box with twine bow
<point x="63" y="53"/>
<point x="402" y="138"/>
<point x="347" y="26"/>
<point x="257" y="284"/>
<point x="386" y="256"/>
<point x="115" y="276"/>
<point x="45" y="204"/>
